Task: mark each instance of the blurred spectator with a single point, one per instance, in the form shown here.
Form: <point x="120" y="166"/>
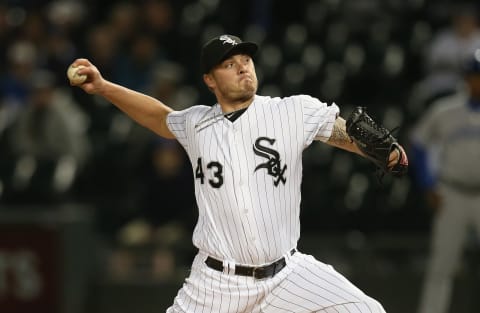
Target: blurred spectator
<point x="35" y="29"/>
<point x="261" y="14"/>
<point x="135" y="67"/>
<point x="158" y="17"/>
<point x="49" y="135"/>
<point x="14" y="84"/>
<point x="167" y="84"/>
<point x="50" y="125"/>
<point x="164" y="173"/>
<point x="446" y="144"/>
<point x="168" y="172"/>
<point x="101" y="46"/>
<point x="3" y="24"/>
<point x="59" y="53"/>
<point x="449" y="49"/>
<point x="124" y="20"/>
<point x="66" y="15"/>
<point x="161" y="20"/>
<point x="164" y="218"/>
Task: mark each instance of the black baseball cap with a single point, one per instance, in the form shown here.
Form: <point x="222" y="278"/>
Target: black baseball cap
<point x="220" y="48"/>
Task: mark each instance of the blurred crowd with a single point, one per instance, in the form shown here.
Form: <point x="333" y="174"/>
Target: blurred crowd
<point x="58" y="144"/>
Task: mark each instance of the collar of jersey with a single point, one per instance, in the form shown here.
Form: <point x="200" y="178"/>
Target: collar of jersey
<point x="219" y="109"/>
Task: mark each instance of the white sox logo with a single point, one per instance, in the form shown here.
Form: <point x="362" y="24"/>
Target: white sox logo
<point x="273" y="165"/>
<point x="226" y="39"/>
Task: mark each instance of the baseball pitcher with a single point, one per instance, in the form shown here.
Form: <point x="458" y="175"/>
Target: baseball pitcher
<point x="246" y="155"/>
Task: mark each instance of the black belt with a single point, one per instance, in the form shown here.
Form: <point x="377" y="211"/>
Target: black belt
<point x="258" y="272"/>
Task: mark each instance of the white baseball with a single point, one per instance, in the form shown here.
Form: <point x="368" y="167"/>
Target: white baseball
<point x="73" y="75"/>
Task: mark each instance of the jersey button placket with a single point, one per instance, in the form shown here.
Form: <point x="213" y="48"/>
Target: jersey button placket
<point x="237" y="150"/>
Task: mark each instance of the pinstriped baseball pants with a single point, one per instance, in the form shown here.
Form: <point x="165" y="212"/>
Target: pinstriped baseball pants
<point x="305" y="285"/>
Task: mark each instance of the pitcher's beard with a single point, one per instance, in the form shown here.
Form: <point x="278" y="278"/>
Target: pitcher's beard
<point x="251" y="87"/>
<point x="243" y="95"/>
<point x="246" y="95"/>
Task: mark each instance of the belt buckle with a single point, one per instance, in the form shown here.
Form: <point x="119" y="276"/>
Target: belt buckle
<point x="254" y="272"/>
<point x="257" y="271"/>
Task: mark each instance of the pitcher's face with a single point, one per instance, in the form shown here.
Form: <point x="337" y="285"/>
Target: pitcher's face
<point x="234" y="79"/>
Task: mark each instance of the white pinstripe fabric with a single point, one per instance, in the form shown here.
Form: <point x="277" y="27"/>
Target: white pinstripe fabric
<point x="250" y="215"/>
<point x="248" y="219"/>
<point x="304" y="285"/>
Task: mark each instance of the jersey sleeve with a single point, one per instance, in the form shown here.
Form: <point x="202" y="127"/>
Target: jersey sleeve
<point x="182" y="123"/>
<point x="177" y="123"/>
<point x="318" y="119"/>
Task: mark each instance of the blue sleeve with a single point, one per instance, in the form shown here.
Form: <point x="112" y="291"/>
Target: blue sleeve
<point x="424" y="175"/>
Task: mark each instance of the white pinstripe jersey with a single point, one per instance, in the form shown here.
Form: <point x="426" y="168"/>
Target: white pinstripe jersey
<point x="248" y="173"/>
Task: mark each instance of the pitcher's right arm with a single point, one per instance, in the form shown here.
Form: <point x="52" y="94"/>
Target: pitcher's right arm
<point x="145" y="110"/>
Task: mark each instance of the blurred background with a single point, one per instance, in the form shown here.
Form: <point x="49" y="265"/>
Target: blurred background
<point x="96" y="213"/>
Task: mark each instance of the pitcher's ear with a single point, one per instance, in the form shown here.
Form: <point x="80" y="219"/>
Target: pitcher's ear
<point x="208" y="80"/>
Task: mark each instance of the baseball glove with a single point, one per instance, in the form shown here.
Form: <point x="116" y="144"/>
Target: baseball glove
<point x="376" y="142"/>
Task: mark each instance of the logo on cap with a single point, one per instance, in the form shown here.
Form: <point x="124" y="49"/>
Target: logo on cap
<point x="227" y="39"/>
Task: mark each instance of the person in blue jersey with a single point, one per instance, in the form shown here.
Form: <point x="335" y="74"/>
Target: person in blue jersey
<point x="446" y="151"/>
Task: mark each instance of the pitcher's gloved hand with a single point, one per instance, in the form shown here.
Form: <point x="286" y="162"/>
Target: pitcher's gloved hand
<point x="377" y="143"/>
